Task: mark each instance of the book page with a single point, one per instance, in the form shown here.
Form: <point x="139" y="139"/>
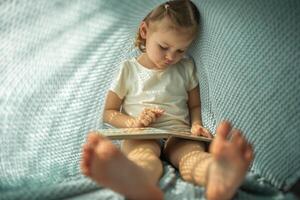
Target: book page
<point x="148" y="133"/>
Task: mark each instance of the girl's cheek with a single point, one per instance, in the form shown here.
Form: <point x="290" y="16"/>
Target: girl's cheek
<point x="162" y="54"/>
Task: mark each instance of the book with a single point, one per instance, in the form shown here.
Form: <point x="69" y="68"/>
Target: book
<point x="148" y="133"/>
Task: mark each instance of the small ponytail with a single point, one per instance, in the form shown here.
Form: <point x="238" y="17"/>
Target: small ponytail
<point x="182" y="13"/>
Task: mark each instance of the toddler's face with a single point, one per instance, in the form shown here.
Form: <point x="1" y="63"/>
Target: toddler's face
<point x="166" y="46"/>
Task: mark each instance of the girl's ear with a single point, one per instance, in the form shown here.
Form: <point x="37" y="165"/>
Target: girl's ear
<point x="143" y="29"/>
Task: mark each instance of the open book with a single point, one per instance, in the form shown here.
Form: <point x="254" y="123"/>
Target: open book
<point x="148" y="133"/>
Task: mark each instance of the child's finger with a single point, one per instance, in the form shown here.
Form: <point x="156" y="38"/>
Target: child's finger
<point x="145" y="122"/>
<point x="151" y="116"/>
<point x="207" y="133"/>
<point x="201" y="132"/>
<point x="147" y="117"/>
<point x="145" y="111"/>
<point x="195" y="131"/>
<point x="158" y="112"/>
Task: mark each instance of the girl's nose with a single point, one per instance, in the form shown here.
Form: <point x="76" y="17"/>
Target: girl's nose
<point x="170" y="56"/>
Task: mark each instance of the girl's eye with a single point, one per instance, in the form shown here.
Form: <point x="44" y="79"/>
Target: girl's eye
<point x="180" y="51"/>
<point x="163" y="48"/>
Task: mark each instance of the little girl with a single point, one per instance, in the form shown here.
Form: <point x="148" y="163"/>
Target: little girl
<point x="159" y="88"/>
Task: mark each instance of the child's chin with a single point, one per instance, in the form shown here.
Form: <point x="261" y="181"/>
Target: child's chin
<point x="163" y="66"/>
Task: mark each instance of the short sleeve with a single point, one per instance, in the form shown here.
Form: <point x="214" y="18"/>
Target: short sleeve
<point x="191" y="75"/>
<point x="119" y="84"/>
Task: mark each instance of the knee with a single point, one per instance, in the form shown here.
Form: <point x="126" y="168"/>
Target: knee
<point x="193" y="167"/>
<point x="177" y="149"/>
<point x="146" y="156"/>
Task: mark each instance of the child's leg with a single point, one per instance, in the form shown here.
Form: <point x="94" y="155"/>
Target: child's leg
<point x="109" y="167"/>
<point x="223" y="171"/>
<point x="190" y="158"/>
<point x="145" y="154"/>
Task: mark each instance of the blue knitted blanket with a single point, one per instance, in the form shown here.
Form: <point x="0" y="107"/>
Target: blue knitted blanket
<point x="57" y="60"/>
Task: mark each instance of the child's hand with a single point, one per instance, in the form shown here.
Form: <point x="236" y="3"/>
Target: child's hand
<point x="147" y="117"/>
<point x="199" y="130"/>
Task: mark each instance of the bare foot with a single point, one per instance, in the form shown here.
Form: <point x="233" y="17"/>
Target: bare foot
<point x="231" y="159"/>
<point x="105" y="164"/>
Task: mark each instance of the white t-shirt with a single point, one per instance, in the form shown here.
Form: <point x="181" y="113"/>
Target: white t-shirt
<point x="140" y="88"/>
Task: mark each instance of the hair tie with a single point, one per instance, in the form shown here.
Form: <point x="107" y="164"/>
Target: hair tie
<point x="167" y="6"/>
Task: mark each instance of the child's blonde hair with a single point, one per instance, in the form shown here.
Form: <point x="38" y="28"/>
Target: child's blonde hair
<point x="182" y="13"/>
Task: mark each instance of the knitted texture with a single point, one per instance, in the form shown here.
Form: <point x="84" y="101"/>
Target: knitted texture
<point x="57" y="60"/>
<point x="248" y="60"/>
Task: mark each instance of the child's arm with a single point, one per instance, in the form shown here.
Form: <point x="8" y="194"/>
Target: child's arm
<point x="112" y="114"/>
<point x="195" y="113"/>
<point x="194" y="106"/>
<point x="114" y="117"/>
